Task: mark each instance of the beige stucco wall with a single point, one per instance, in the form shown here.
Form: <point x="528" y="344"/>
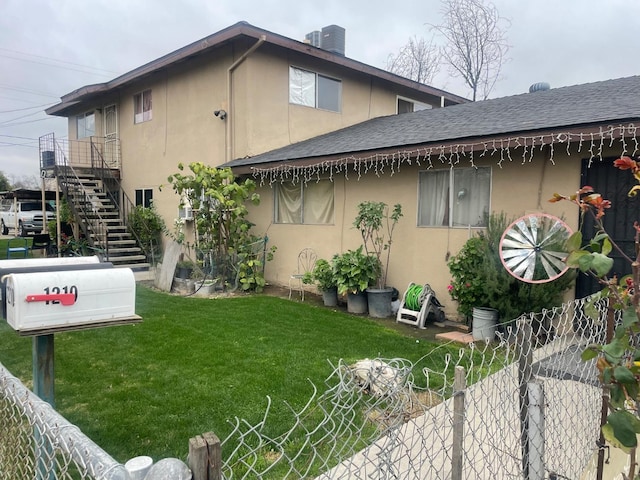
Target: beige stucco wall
<point x="419" y="254"/>
<point x="260" y="118"/>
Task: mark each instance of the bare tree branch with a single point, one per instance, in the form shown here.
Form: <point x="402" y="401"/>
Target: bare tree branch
<point x="418" y="60"/>
<point x="476" y="45"/>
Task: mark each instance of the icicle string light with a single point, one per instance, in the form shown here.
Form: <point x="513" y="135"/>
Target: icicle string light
<point x="455" y="154"/>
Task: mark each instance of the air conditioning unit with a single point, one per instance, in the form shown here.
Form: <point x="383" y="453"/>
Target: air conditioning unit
<point x="185" y="213"/>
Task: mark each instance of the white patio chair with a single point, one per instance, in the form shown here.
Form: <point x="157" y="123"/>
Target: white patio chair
<point x="306" y="262"/>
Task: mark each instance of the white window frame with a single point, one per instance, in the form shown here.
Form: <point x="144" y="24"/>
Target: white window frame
<point x="143" y="195"/>
<point x="301" y="214"/>
<point x="305" y="89"/>
<point x="454" y="198"/>
<point x="82" y="125"/>
<point x="143" y="106"/>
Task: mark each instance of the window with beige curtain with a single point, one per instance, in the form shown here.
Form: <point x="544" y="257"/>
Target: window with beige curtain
<point x="458" y="197"/>
<point x="310" y="203"/>
<point x="142" y="107"/>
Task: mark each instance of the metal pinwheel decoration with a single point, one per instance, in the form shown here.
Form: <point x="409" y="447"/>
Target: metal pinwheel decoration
<point x="533" y="248"/>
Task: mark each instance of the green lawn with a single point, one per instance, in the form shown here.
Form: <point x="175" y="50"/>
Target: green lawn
<point x="194" y="363"/>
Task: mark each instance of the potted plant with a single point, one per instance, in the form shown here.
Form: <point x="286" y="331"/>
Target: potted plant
<point x="354" y="272"/>
<point x="322" y="276"/>
<point x="184" y="269"/>
<point x="376" y="224"/>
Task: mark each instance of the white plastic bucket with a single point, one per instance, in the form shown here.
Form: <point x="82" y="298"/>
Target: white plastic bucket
<point x="484" y="323"/>
<point x="138" y="467"/>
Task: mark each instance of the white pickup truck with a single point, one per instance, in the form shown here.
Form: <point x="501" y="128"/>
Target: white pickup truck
<point x="25" y="216"/>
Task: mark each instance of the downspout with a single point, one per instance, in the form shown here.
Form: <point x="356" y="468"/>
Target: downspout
<point x="230" y="108"/>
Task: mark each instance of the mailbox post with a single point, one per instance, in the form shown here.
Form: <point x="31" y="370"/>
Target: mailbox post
<point x="43" y="368"/>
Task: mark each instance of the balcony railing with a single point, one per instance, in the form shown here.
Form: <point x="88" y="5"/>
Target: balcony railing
<point x="92" y="152"/>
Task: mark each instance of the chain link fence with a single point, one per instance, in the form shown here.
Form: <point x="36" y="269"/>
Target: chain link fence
<point x="38" y="443"/>
<point x="526" y="407"/>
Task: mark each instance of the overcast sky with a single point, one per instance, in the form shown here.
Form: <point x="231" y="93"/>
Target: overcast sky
<point x="49" y="48"/>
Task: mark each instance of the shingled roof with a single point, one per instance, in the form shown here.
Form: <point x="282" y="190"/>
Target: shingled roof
<point x="567" y="107"/>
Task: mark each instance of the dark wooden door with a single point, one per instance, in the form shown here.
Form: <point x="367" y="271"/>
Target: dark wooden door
<point x="613" y="184"/>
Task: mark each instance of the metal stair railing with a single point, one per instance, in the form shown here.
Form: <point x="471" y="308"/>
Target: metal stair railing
<point x="89" y="219"/>
<point x="103" y="172"/>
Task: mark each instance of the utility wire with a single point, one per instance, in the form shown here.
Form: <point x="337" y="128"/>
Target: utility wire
<point x="21" y="138"/>
<point x="27" y="90"/>
<point x="54" y="60"/>
<point x="4" y="122"/>
<point x="63" y="67"/>
<point x="27" y="108"/>
<point x="9" y="144"/>
<point x="28" y="121"/>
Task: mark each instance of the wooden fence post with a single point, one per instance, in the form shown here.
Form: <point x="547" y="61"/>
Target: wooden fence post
<point x="197" y="459"/>
<point x="205" y="457"/>
<point x="215" y="455"/>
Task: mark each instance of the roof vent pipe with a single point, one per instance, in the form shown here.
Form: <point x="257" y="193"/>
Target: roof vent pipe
<point x="539" y="87"/>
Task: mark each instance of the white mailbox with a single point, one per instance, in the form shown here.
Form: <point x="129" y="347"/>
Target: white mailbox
<point x="46" y="302"/>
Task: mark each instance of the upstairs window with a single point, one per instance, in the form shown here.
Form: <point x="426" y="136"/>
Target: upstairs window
<point x="314" y="90"/>
<point x="458" y="197"/>
<point x="310" y="203"/>
<point x="86" y="125"/>
<point x="407" y="106"/>
<point x="142" y="111"/>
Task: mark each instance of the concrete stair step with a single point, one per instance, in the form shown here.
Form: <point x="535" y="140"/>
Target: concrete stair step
<point x="126" y="259"/>
<point x="136" y="267"/>
<point x="122" y="243"/>
<point x="119" y="250"/>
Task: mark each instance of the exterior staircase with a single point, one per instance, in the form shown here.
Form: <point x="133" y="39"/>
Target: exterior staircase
<point x="101" y="221"/>
<point x="93" y="192"/>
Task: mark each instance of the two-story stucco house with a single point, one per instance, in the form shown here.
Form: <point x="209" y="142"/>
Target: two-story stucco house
<point x="238" y="93"/>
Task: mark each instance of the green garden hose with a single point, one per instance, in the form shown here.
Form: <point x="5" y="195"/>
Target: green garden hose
<point x="413" y="300"/>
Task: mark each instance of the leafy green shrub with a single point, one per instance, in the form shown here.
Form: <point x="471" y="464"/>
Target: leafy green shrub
<point x="354" y="271"/>
<point x="374" y="222"/>
<point x="224" y="244"/>
<point x="322" y="275"/>
<point x="466" y="285"/>
<point x="147" y="225"/>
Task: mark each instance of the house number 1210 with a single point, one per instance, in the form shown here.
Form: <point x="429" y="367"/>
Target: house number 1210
<point x="56" y="290"/>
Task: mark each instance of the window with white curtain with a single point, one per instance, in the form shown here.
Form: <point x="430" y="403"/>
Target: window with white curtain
<point x="458" y="197"/>
<point x="86" y="124"/>
<point x="310" y="203"/>
<point x="142" y="107"/>
<point x="314" y="90"/>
